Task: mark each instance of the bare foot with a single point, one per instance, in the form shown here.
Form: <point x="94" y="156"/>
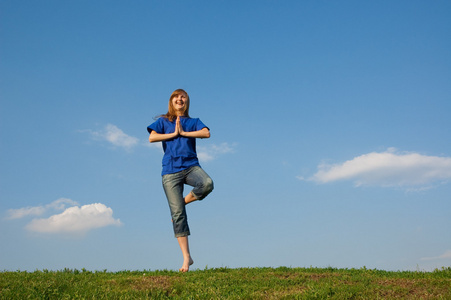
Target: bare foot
<point x="186" y="264"/>
<point x="189" y="198"/>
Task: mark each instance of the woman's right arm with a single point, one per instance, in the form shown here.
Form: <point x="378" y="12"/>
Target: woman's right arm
<point x="158" y="137"/>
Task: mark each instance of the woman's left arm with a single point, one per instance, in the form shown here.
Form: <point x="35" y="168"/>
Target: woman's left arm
<point x="204" y="133"/>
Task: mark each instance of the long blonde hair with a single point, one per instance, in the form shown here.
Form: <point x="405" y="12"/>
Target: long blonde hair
<point x="171" y="115"/>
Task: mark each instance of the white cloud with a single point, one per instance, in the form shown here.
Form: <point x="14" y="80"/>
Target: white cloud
<point x="208" y="153"/>
<point x="112" y="134"/>
<point x="59" y="204"/>
<point x="388" y="169"/>
<point x="446" y="255"/>
<point x="117" y="137"/>
<point x="76" y="220"/>
<point x="25" y="211"/>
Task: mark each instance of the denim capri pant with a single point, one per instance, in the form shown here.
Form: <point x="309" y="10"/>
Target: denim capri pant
<point x="173" y="185"/>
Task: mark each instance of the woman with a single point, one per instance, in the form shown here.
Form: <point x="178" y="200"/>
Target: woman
<point x="178" y="133"/>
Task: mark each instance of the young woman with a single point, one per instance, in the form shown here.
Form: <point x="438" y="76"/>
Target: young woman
<point x="178" y="133"/>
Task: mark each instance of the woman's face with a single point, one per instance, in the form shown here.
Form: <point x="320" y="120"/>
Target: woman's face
<point x="180" y="102"/>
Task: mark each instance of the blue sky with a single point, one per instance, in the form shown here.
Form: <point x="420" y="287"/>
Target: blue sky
<point x="330" y="125"/>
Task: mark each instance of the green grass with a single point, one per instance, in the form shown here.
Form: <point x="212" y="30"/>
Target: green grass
<point x="225" y="283"/>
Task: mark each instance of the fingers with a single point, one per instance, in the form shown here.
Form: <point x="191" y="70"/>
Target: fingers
<point x="179" y="125"/>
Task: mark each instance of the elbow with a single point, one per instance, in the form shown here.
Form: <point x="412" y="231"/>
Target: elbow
<point x="206" y="133"/>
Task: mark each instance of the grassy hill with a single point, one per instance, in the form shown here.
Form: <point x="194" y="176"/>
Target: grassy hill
<point x="225" y="283"/>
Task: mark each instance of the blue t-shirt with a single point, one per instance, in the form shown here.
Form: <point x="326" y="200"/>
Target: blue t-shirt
<point x="180" y="152"/>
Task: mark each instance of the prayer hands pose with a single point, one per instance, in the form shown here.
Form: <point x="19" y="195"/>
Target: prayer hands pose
<point x="204" y="133"/>
<point x="179" y="127"/>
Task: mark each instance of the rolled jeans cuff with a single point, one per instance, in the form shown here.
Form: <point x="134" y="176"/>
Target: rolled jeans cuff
<point x="177" y="235"/>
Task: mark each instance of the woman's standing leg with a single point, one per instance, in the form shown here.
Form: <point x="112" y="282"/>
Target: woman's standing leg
<point x="203" y="185"/>
<point x="173" y="187"/>
<point x="187" y="260"/>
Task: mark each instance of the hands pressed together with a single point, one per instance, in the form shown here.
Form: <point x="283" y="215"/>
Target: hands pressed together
<point x="179" y="127"/>
<point x="204" y="133"/>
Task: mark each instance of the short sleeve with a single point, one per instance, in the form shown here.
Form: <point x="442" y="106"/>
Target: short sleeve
<point x="156" y="126"/>
<point x="200" y="125"/>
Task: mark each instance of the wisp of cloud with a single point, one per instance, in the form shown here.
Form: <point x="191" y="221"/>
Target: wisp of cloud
<point x="388" y="169"/>
<point x="115" y="136"/>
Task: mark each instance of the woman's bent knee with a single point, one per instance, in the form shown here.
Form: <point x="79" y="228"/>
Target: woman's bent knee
<point x="203" y="189"/>
<point x="208" y="187"/>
